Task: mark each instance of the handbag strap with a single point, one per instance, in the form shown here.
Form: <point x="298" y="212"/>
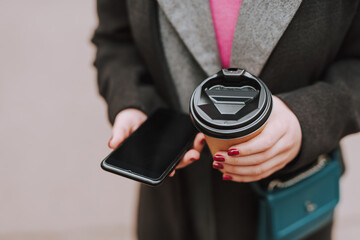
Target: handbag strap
<point x="277" y="183"/>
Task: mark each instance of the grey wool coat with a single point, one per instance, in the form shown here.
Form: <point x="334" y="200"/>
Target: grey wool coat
<point x="152" y="53"/>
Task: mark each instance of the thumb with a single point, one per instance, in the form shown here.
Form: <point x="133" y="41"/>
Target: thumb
<point x="119" y="134"/>
<point x="126" y="122"/>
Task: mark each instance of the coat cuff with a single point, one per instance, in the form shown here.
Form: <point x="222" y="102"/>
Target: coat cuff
<point x="322" y="112"/>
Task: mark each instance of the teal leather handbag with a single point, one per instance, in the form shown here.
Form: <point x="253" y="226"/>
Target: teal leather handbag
<point x="298" y="207"/>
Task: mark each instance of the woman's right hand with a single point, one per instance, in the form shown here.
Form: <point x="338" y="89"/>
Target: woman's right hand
<point x="126" y="122"/>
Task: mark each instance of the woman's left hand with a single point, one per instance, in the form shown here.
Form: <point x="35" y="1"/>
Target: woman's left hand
<point x="268" y="152"/>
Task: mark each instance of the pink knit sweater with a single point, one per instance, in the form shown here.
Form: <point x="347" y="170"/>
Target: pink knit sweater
<point x="224" y="15"/>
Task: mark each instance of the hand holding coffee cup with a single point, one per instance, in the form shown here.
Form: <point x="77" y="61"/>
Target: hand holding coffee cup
<point x="233" y="109"/>
<point x="230" y="107"/>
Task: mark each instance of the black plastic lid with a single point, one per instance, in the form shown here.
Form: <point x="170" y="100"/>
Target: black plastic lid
<point x="230" y="104"/>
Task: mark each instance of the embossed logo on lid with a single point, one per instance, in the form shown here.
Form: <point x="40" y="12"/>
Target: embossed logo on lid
<point x="230" y="103"/>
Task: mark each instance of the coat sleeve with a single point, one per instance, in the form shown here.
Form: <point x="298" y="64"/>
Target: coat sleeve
<point x="123" y="79"/>
<point x="329" y="109"/>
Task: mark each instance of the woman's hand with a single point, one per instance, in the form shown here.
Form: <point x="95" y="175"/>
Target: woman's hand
<point x="128" y="120"/>
<point x="268" y="152"/>
<point x="193" y="154"/>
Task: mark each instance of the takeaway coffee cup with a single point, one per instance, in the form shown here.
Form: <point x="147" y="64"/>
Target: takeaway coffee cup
<point x="230" y="107"/>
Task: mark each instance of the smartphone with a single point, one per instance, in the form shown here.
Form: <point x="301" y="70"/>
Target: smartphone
<point x="150" y="153"/>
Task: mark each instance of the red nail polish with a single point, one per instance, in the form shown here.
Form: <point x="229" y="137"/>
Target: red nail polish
<point x="218" y="165"/>
<point x="193" y="159"/>
<point x="233" y="152"/>
<point x="227" y="177"/>
<point x="109" y="142"/>
<point x="203" y="141"/>
<point x="219" y="158"/>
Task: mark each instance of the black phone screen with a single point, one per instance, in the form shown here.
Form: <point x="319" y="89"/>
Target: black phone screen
<point x="155" y="146"/>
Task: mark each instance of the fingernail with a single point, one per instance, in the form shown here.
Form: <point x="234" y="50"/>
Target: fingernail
<point x="227" y="177"/>
<point x="203" y="141"/>
<point x="193" y="159"/>
<point x="110" y="142"/>
<point x="219" y="158"/>
<point x="233" y="152"/>
<point x="218" y="165"/>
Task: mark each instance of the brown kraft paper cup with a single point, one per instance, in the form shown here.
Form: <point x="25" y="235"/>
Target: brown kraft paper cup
<point x="230" y="107"/>
<point x="216" y="144"/>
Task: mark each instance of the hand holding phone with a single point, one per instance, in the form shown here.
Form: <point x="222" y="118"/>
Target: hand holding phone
<point x="192" y="154"/>
<point x="126" y="122"/>
<point x="129" y="120"/>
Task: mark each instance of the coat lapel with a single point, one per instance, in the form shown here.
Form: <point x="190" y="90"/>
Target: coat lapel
<point x="259" y="27"/>
<point x="192" y="20"/>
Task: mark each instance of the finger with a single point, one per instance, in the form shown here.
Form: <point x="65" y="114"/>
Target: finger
<point x="136" y="124"/>
<point x="119" y="135"/>
<point x="258" y="158"/>
<point x="249" y="174"/>
<point x="172" y="173"/>
<point x="199" y="142"/>
<point x="262" y="142"/>
<point x="189" y="157"/>
<point x="126" y="122"/>
<point x="239" y="178"/>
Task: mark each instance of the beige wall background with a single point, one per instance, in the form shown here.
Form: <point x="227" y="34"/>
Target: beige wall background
<point x="54" y="132"/>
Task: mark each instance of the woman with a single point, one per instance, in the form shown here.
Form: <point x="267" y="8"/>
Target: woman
<point x="154" y="53"/>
